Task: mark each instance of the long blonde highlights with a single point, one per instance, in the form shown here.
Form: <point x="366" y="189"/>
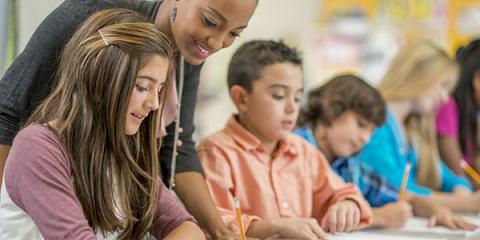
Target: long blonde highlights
<point x="416" y="69"/>
<point x="115" y="176"/>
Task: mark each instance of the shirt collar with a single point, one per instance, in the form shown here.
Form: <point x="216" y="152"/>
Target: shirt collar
<point x="250" y="142"/>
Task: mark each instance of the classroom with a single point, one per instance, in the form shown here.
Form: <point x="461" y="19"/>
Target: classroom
<point x="240" y="119"/>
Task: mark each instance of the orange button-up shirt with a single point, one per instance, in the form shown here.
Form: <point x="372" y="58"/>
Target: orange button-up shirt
<point x="296" y="182"/>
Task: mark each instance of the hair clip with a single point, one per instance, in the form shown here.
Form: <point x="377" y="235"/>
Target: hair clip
<point x="103" y="37"/>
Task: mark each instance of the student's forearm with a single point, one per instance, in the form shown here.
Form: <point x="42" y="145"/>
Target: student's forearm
<point x="451" y="154"/>
<point x="378" y="219"/>
<point x="193" y="191"/>
<point x="261" y="229"/>
<point x="4" y="149"/>
<point x="424" y="206"/>
<point x="395" y="214"/>
<point x="186" y="231"/>
<point x="456" y="202"/>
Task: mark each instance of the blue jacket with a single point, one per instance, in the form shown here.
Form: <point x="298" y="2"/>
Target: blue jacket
<point x="388" y="152"/>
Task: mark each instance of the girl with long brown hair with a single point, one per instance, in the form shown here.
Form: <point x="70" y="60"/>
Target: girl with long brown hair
<point x="86" y="164"/>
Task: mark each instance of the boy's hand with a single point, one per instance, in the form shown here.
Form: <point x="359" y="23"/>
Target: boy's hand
<point x="392" y="215"/>
<point x="298" y="228"/>
<point x="444" y="216"/>
<point x="343" y="216"/>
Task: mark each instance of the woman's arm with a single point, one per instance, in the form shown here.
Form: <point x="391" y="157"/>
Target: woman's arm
<point x="192" y="189"/>
<point x="190" y="183"/>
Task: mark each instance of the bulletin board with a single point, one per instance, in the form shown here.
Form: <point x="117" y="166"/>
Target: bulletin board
<point x="362" y="36"/>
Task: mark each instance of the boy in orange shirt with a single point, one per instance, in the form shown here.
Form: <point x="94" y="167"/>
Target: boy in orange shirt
<point x="285" y="185"/>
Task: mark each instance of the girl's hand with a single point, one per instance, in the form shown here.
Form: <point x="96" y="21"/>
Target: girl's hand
<point x="444" y="216"/>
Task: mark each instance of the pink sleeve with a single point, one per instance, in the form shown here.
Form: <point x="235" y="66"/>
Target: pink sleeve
<point x="170" y="214"/>
<point x="38" y="180"/>
<point x="447" y="119"/>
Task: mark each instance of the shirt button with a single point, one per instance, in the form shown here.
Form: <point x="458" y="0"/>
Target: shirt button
<point x="285" y="204"/>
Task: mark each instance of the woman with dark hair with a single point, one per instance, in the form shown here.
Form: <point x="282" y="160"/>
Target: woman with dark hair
<point x="196" y="30"/>
<point x="86" y="164"/>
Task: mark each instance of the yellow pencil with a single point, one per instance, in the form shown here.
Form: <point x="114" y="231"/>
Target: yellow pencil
<point x="406" y="173"/>
<point x="470" y="171"/>
<point x="238" y="212"/>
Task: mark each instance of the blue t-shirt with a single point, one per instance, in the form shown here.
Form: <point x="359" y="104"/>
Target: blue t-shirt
<point x="388" y="152"/>
<point x="375" y="188"/>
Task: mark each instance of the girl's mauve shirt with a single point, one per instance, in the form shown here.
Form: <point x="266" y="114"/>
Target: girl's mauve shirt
<point x="37" y="200"/>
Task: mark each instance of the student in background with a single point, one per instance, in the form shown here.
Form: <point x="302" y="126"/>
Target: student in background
<point x="457" y="121"/>
<point x="196" y="30"/>
<point x="284" y="184"/>
<point x="86" y="164"/>
<point x="417" y="82"/>
<point x="339" y="118"/>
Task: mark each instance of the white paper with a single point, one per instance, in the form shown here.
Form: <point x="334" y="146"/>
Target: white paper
<point x="419" y="227"/>
<point x="373" y="236"/>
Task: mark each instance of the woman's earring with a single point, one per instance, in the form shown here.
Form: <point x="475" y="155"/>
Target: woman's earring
<point x="174" y="12"/>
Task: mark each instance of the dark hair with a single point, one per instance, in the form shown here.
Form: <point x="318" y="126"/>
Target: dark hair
<point x="340" y="94"/>
<point x="469" y="59"/>
<point x="252" y="57"/>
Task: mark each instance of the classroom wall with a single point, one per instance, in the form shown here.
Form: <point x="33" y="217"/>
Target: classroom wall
<point x="4" y="6"/>
<point x="289" y="20"/>
<point x="273" y="19"/>
<point x="351" y="44"/>
<point x="30" y="15"/>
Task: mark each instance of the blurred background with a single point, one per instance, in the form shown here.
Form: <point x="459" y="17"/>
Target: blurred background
<point x="359" y="36"/>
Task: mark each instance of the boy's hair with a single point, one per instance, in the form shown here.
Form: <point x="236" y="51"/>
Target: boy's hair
<point x="252" y="57"/>
<point x="343" y="93"/>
